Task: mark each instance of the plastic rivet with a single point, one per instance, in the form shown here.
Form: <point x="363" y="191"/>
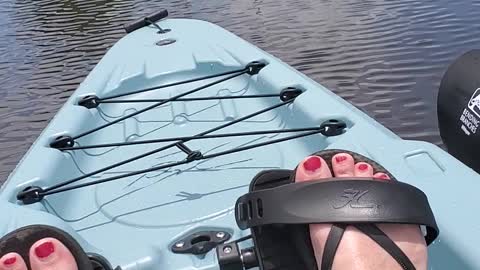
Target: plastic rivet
<point x="227" y="249"/>
<point x="220" y="235"/>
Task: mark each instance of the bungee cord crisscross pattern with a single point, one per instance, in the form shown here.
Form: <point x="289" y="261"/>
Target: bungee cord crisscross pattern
<point x="34" y="194"/>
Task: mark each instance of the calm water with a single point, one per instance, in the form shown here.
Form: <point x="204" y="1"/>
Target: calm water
<point x="386" y="57"/>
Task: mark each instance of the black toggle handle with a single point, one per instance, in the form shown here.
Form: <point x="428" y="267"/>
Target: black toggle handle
<point x="145" y="21"/>
<point x="31" y="194"/>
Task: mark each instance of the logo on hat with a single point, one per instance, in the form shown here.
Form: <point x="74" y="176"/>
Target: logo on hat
<point x="474" y="103"/>
<point x="470" y="117"/>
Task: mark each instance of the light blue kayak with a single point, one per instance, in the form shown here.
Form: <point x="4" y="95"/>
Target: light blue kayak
<point x="188" y="177"/>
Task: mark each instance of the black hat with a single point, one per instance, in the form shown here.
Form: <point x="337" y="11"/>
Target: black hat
<point x="459" y="109"/>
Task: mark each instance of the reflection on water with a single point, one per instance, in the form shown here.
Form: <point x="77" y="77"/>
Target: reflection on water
<point x="386" y="57"/>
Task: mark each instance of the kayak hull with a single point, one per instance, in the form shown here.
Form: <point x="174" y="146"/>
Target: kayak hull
<point x="135" y="221"/>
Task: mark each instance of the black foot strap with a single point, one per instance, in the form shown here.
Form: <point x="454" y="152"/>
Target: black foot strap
<point x="21" y="240"/>
<point x="279" y="209"/>
<point x="333" y="240"/>
<point x="386" y="243"/>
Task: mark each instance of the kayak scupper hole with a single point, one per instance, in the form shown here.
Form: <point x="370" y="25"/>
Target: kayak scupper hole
<point x="259" y="208"/>
<point x="200" y="239"/>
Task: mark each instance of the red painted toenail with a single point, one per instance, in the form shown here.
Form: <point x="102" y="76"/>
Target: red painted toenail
<point x="10" y="261"/>
<point x="362" y="167"/>
<point x="44" y="250"/>
<point x="340" y="158"/>
<point x="383" y="176"/>
<point x="312" y="164"/>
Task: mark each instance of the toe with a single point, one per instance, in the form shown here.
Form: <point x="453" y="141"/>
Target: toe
<point x="51" y="254"/>
<point x="363" y="169"/>
<point x="343" y="165"/>
<point x="312" y="167"/>
<point x="381" y="176"/>
<point x="12" y="261"/>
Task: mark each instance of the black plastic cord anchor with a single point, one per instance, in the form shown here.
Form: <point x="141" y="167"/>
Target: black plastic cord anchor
<point x="89" y="102"/>
<point x="290" y="93"/>
<point x="333" y="127"/>
<point x="254" y="67"/>
<point x="62" y="142"/>
<point x="30" y="195"/>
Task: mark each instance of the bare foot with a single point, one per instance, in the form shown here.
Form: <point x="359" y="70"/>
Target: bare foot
<point x="45" y="254"/>
<point x="356" y="250"/>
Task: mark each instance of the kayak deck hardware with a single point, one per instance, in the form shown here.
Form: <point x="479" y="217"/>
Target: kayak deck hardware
<point x="160" y="29"/>
<point x="200" y="242"/>
<point x="164" y="42"/>
<point x="232" y="257"/>
<point x="289" y="93"/>
<point x="287" y="96"/>
<point x="150" y="19"/>
<point x="62" y="142"/>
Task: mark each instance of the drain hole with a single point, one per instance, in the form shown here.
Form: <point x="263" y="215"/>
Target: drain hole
<point x="200" y="239"/>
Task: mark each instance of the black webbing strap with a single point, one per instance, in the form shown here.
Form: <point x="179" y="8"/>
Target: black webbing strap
<point x="331" y="246"/>
<point x="357" y="202"/>
<point x="352" y="201"/>
<point x="372" y="231"/>
<point x="377" y="235"/>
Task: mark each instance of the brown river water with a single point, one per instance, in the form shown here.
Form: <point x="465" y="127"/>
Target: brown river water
<point x="385" y="57"/>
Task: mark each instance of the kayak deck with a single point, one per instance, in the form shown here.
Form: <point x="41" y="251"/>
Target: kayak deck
<point x="134" y="221"/>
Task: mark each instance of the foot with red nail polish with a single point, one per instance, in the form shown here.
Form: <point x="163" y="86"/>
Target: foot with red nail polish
<point x="356" y="250"/>
<point x="45" y="254"/>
